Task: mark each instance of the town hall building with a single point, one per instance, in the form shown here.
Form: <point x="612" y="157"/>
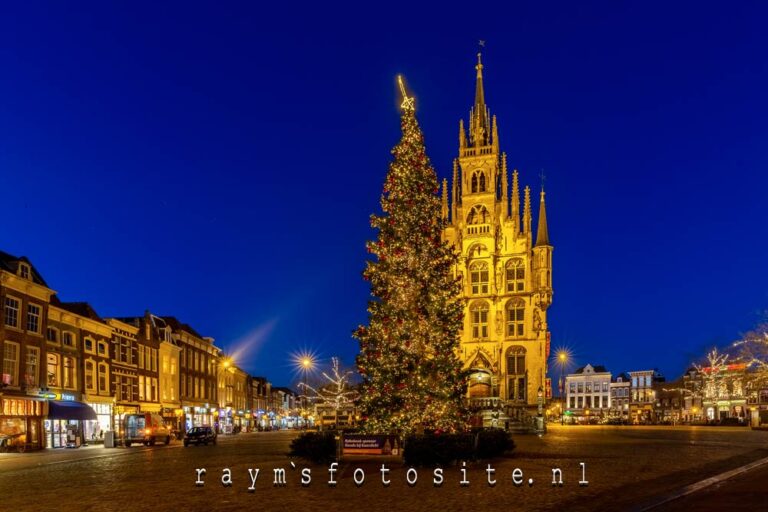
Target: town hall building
<point x="505" y="271"/>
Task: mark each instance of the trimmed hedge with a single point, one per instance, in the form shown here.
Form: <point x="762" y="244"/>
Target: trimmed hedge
<point x="445" y="449"/>
<point x="319" y="447"/>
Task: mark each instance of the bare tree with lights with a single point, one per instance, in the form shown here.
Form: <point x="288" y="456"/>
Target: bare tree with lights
<point x="337" y="391"/>
<point x="715" y="376"/>
<point x="753" y="350"/>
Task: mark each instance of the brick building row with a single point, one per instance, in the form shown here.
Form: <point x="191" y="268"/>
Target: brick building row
<point x="65" y="368"/>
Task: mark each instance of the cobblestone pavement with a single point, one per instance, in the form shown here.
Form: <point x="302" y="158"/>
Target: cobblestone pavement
<point x="748" y="491"/>
<point x="625" y="467"/>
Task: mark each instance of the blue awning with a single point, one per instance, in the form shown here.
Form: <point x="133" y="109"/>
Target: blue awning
<point x="69" y="410"/>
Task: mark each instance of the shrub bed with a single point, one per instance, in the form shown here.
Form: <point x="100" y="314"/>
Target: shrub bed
<point x="319" y="447"/>
<point x="445" y="449"/>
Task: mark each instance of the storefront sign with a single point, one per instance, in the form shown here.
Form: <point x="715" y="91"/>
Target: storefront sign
<point x="358" y="444"/>
<point x="67" y="397"/>
<point x="48" y="395"/>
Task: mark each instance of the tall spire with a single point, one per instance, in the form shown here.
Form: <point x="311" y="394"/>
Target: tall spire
<point x="542" y="234"/>
<point x="479" y="123"/>
<point x="479" y="93"/>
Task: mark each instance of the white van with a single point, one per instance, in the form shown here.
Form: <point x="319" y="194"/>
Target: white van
<point x="146" y="428"/>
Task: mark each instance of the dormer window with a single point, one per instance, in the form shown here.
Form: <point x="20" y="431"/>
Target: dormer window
<point x="24" y="270"/>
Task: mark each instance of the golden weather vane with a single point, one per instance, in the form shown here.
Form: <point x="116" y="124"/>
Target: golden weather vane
<point x="407" y="102"/>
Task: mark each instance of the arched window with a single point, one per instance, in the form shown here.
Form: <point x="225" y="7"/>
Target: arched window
<point x="479" y="317"/>
<point x="478" y="215"/>
<point x="515" y="276"/>
<point x="515" y="318"/>
<point x="478" y="181"/>
<point x="478" y="277"/>
<point x="90" y="377"/>
<point x="54" y="369"/>
<point x="68" y="376"/>
<point x="103" y="379"/>
<point x="516" y="379"/>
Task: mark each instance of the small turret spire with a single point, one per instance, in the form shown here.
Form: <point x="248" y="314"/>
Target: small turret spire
<point x="504" y="185"/>
<point x="462" y="135"/>
<point x="515" y="202"/>
<point x="445" y="199"/>
<point x="479" y="92"/>
<point x="542" y="234"/>
<point x="527" y="211"/>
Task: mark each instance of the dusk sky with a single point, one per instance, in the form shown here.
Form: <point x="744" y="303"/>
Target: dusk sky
<point x="219" y="162"/>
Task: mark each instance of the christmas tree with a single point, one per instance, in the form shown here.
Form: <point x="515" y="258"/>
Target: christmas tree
<point x="412" y="377"/>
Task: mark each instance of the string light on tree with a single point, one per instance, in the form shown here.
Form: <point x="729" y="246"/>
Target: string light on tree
<point x="412" y="377"/>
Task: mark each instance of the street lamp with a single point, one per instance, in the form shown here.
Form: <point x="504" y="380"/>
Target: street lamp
<point x="562" y="359"/>
<point x="305" y="363"/>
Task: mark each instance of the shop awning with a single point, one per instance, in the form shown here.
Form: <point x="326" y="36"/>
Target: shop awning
<point x="70" y="410"/>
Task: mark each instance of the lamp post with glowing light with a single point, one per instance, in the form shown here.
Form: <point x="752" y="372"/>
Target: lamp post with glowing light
<point x="562" y="359"/>
<point x="306" y="363"/>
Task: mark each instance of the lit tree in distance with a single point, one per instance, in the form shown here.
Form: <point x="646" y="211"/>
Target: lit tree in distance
<point x="715" y="376"/>
<point x="337" y="391"/>
<point x="412" y="377"/>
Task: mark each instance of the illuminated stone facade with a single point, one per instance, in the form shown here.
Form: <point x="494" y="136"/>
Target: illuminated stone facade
<point x="506" y="271"/>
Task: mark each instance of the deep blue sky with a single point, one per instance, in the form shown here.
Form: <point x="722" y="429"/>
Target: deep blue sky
<point x="220" y="163"/>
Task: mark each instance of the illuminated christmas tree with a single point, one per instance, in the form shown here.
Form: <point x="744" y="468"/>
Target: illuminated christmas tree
<point x="412" y="377"/>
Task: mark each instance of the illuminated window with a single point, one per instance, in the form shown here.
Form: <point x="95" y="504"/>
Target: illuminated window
<point x="11" y="363"/>
<point x="515" y="318"/>
<point x="515" y="276"/>
<point x="478" y="276"/>
<point x="479" y="316"/>
<point x="33" y="366"/>
<point x="69" y="373"/>
<point x="53" y="369"/>
<point x="12" y="312"/>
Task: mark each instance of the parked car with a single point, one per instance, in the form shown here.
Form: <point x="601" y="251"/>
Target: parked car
<point x="146" y="428"/>
<point x="199" y="435"/>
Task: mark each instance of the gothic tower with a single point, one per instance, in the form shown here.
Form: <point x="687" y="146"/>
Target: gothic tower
<point x="506" y="272"/>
